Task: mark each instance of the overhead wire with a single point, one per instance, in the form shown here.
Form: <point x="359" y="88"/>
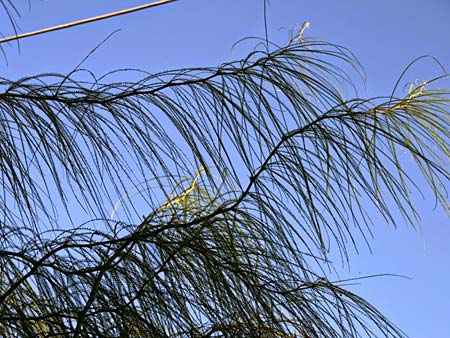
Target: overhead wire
<point x="85" y="21"/>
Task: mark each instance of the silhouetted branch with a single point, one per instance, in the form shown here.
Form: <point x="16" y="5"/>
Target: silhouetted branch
<point x="251" y="174"/>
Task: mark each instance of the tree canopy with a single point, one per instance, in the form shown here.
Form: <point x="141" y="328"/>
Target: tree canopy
<point x="251" y="173"/>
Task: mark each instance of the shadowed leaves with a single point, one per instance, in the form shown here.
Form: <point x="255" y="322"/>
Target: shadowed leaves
<point x="249" y="175"/>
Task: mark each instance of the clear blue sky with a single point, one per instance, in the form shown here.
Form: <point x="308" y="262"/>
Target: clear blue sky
<point x="385" y="35"/>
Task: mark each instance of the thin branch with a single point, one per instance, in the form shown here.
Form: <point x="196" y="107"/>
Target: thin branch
<point x="87" y="20"/>
<point x="294" y="166"/>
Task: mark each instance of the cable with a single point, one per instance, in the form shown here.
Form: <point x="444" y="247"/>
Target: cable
<point x="84" y="21"/>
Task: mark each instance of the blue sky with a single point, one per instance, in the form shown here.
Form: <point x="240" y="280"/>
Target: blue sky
<point x="385" y="35"/>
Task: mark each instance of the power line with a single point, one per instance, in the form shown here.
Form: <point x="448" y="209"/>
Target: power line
<point x="84" y="21"/>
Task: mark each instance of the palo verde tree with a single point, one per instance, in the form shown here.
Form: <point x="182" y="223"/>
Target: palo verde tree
<point x="251" y="173"/>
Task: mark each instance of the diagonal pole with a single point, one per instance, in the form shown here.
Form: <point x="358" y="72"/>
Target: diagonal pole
<point x="84" y="21"/>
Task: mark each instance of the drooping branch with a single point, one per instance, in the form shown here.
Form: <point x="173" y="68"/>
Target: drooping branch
<point x="289" y="171"/>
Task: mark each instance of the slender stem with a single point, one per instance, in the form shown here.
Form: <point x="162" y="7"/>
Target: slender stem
<point x="84" y="21"/>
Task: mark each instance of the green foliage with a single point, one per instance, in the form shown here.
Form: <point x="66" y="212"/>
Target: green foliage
<point x="285" y="171"/>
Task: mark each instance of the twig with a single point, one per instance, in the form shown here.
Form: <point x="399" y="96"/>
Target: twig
<point x="84" y="21"/>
